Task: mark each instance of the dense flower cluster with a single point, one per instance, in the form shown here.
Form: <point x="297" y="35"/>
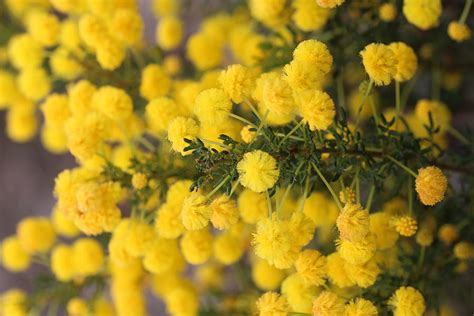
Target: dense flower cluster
<point x="228" y="171"/>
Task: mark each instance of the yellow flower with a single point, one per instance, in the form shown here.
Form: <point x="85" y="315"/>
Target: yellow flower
<point x="266" y="276"/>
<point x="258" y="171"/>
<point x="195" y="212"/>
<point x="85" y="134"/>
<point x="64" y="65"/>
<point x="357" y="253"/>
<point x="224" y="212"/>
<point x="212" y="106"/>
<point x="179" y="129"/>
<point x="328" y="304"/>
<point x="363" y="275"/>
<point x="110" y="53"/>
<point x="272" y="304"/>
<point x="69" y="34"/>
<point x="77" y="307"/>
<point x="353" y="222"/>
<point x="63" y="225"/>
<point x="299" y="294"/>
<point x="424" y="14"/>
<point x="228" y="248"/>
<point x="62" y="263"/>
<point x="14" y="257"/>
<point x="139" y="181"/>
<point x="8" y="89"/>
<point x="448" y="233"/>
<point x="88" y="256"/>
<point x="92" y="30"/>
<point x="80" y="97"/>
<point x="168" y="222"/>
<point x="380" y="63"/>
<point x="459" y="32"/>
<point x="311" y="266"/>
<point x="407" y="301"/>
<point x="406" y="225"/>
<point x="309" y="16"/>
<point x="196" y="246"/>
<point x="317" y="109"/>
<point x="173" y="65"/>
<point x="21" y="124"/>
<point x="247" y="135"/>
<point x="43" y="27"/>
<point x="385" y="234"/>
<point x="162" y="256"/>
<point x="388" y="12"/>
<point x="431" y="185"/>
<point x="169" y="32"/>
<point x="406" y="61"/>
<point x="269" y="12"/>
<point x="360" y="307"/>
<point x="238" y="82"/>
<point x="204" y="51"/>
<point x="330" y="3"/>
<point x="347" y="196"/>
<point x="154" y="82"/>
<point x="55" y="110"/>
<point x="336" y="270"/>
<point x="165" y="7"/>
<point x="321" y="209"/>
<point x="139" y="238"/>
<point x="14" y="303"/>
<point x="182" y="301"/>
<point x="36" y="234"/>
<point x="127" y="26"/>
<point x="464" y="250"/>
<point x="276" y="95"/>
<point x="34" y="83"/>
<point x="440" y="113"/>
<point x="24" y="52"/>
<point x="424" y="237"/>
<point x="252" y="206"/>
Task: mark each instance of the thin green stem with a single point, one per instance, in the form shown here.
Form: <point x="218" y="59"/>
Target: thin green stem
<point x="457" y="134"/>
<point x="465" y="11"/>
<point x="328" y="186"/>
<point x="364" y="98"/>
<point x="218" y="187"/>
<point x="240" y="118"/>
<point x="290" y="133"/>
<point x="252" y="107"/>
<point x="214" y="143"/>
<point x="234" y="187"/>
<point x="410" y="196"/>
<point x="406" y="93"/>
<point x="269" y="204"/>
<point x="370" y="198"/>
<point x="306" y="189"/>
<point x="398" y="163"/>
<point x="290" y="137"/>
<point x="374" y="112"/>
<point x="145" y="142"/>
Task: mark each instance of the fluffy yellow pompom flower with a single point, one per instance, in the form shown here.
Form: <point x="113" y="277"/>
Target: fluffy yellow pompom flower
<point x="161" y="256"/>
<point x="63" y="225"/>
<point x="36" y="234"/>
<point x="252" y="206"/>
<point x="14" y="257"/>
<point x="311" y="266"/>
<point x="85" y="134"/>
<point x="110" y="53"/>
<point x="62" y="263"/>
<point x="388" y="12"/>
<point x="139" y="181"/>
<point x="228" y="248"/>
<point x="431" y="185"/>
<point x="379" y="63"/>
<point x="258" y="171"/>
<point x="77" y="307"/>
<point x="272" y="304"/>
<point x="336" y="271"/>
<point x="127" y="26"/>
<point x="265" y="276"/>
<point x="347" y="196"/>
<point x="407" y="301"/>
<point x="14" y="303"/>
<point x="25" y="52"/>
<point x="405" y="225"/>
<point x="92" y="30"/>
<point x="363" y="275"/>
<point x="165" y="7"/>
<point x="43" y="27"/>
<point x="448" y="233"/>
<point x="353" y="222"/>
<point x="385" y="234"/>
<point x="69" y="34"/>
<point x="276" y="94"/>
<point x="459" y="32"/>
<point x="299" y="294"/>
<point x="237" y="81"/>
<point x="309" y="16"/>
<point x="179" y="129"/>
<point x="224" y="212"/>
<point x="64" y="65"/>
<point x="440" y="113"/>
<point x="113" y="102"/>
<point x="204" y="51"/>
<point x="55" y="110"/>
<point x="196" y="246"/>
<point x="317" y="109"/>
<point x="464" y="250"/>
<point x="212" y="106"/>
<point x="154" y="82"/>
<point x="247" y="135"/>
<point x="195" y="212"/>
<point x="8" y="90"/>
<point x="169" y="32"/>
<point x="80" y="97"/>
<point x="328" y="304"/>
<point x="360" y="307"/>
<point x="88" y="256"/>
<point x="168" y="221"/>
<point x="424" y="14"/>
<point x="139" y="238"/>
<point x="21" y="124"/>
<point x="34" y="83"/>
<point x="357" y="252"/>
<point x="269" y="12"/>
<point x="406" y="60"/>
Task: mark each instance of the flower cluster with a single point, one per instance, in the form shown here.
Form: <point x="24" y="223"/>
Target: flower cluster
<point x="261" y="165"/>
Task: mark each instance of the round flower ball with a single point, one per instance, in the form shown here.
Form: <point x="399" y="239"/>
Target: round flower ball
<point x="459" y="32"/>
<point x="14" y="257"/>
<point x="388" y="12"/>
<point x="406" y="59"/>
<point x="407" y="301"/>
<point x="36" y="234"/>
<point x="424" y="14"/>
<point x="258" y="171"/>
<point x="212" y="106"/>
<point x="329" y="3"/>
<point x="317" y="109"/>
<point x="431" y="185"/>
<point x="379" y="63"/>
